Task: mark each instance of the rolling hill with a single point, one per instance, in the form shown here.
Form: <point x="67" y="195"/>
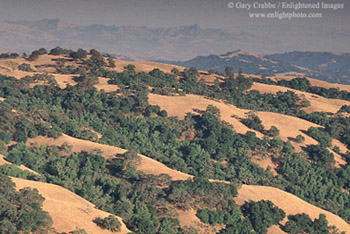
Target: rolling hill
<point x="163" y="149"/>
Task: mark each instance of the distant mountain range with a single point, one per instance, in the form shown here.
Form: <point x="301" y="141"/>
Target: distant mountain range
<point x="177" y="45"/>
<point x="332" y="67"/>
<point x="167" y="43"/>
<point x="140" y="42"/>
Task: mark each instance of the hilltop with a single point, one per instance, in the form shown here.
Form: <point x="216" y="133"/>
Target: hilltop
<point x="149" y="147"/>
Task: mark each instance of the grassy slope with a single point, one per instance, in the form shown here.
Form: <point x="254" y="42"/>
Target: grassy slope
<point x="286" y="201"/>
<point x="317" y="103"/>
<point x="289" y="127"/>
<point x="68" y="210"/>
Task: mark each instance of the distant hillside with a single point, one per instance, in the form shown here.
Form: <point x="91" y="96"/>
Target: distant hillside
<point x="332" y="67"/>
<point x="326" y="66"/>
<point x="249" y="62"/>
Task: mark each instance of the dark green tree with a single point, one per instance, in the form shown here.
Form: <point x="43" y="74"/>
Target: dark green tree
<point x="262" y="214"/>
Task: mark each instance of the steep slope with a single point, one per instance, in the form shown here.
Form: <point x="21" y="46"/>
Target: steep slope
<point x="68" y="210"/>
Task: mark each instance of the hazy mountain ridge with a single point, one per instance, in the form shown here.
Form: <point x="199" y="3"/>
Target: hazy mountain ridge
<point x="250" y="63"/>
<point x="328" y="66"/>
<point x="166" y="43"/>
<point x="134" y="41"/>
<point x="332" y="67"/>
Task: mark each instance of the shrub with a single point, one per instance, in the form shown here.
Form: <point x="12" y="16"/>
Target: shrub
<point x="132" y="158"/>
<point x="175" y="71"/>
<point x="9" y="56"/>
<point x="58" y="51"/>
<point x="211" y="217"/>
<point x="33" y="57"/>
<point x="109" y="223"/>
<point x="300" y="139"/>
<point x="20" y="136"/>
<point x="80" y="54"/>
<point x="3" y="148"/>
<point x="46" y="78"/>
<point x="163" y="113"/>
<point x="111" y="62"/>
<point x="262" y="214"/>
<point x="302" y="223"/>
<point x="274" y="131"/>
<point x="5" y="137"/>
<point x="78" y="231"/>
<point x="25" y="67"/>
<point x="21" y="211"/>
<point x="336" y="149"/>
<point x="86" y="82"/>
<point x="320" y="155"/>
<point x="320" y="136"/>
<point x="211" y="71"/>
<point x="253" y="122"/>
<point x="344" y="108"/>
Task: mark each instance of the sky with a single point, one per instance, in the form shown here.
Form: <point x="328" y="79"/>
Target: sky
<point x="330" y="31"/>
<point x="164" y="13"/>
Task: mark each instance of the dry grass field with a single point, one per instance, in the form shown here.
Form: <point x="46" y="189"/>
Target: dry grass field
<point x="67" y="210"/>
<point x="289" y="126"/>
<point x="288" y="202"/>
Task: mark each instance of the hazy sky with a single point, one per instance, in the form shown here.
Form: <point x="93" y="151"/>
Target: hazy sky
<point x="331" y="32"/>
<point x="161" y="13"/>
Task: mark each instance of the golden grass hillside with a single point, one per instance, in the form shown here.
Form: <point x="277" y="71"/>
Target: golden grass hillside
<point x="148" y="165"/>
<point x="80" y="213"/>
<point x="289" y="126"/>
<point x="68" y="210"/>
<point x="286" y="201"/>
<point x="146" y="66"/>
<point x="314" y="82"/>
<point x="46" y="63"/>
<point x="274" y="229"/>
<point x="317" y="103"/>
<point x="289" y="203"/>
